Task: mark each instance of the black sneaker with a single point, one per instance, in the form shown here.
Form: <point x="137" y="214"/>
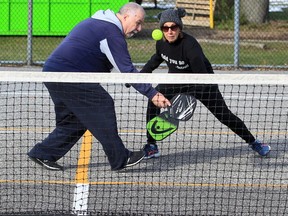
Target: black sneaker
<point x="135" y="158"/>
<point x="50" y="165"/>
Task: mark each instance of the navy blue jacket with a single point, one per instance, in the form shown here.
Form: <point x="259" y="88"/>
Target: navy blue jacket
<point x="96" y="44"/>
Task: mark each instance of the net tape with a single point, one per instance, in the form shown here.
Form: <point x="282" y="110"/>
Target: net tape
<point x="249" y="79"/>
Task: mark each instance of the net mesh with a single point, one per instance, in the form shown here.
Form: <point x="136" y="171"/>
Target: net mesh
<point x="204" y="167"/>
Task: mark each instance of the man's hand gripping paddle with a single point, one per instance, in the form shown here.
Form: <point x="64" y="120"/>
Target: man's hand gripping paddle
<point x="182" y="109"/>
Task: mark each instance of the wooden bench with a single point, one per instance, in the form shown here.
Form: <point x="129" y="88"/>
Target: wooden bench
<point x="198" y="12"/>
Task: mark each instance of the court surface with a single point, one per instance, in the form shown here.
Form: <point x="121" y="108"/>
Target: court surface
<point x="204" y="169"/>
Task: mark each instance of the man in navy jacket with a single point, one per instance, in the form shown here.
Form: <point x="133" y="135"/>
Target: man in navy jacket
<point x="96" y="44"/>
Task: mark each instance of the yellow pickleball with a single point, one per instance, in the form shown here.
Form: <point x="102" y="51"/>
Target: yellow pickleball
<point x="157" y="34"/>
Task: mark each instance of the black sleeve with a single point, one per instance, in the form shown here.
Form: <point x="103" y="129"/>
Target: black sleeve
<point x="208" y="66"/>
<point x="197" y="60"/>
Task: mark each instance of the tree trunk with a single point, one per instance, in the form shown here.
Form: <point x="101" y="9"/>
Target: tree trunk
<point x="255" y="11"/>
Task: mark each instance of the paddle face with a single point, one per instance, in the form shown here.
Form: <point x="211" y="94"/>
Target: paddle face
<point x="162" y="126"/>
<point x="182" y="109"/>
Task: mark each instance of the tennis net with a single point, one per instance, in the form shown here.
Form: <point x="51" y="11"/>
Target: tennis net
<point x="204" y="167"/>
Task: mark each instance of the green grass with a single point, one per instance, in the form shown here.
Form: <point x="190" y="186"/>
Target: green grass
<point x="275" y="53"/>
<point x="279" y="15"/>
<point x="144" y="46"/>
<point x="151" y="15"/>
<point x="15" y="48"/>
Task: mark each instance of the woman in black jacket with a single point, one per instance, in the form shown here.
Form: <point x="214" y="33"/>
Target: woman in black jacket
<point x="183" y="54"/>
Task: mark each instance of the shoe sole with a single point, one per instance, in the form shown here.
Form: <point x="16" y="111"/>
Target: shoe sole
<point x="36" y="160"/>
<point x="153" y="156"/>
<point x="136" y="162"/>
<point x="265" y="154"/>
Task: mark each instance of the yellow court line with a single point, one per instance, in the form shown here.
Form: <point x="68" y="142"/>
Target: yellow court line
<point x="179" y="131"/>
<point x="84" y="159"/>
<point x="83" y="167"/>
<point x="162" y="184"/>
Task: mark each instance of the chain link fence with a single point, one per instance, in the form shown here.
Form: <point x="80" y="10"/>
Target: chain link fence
<point x="235" y="34"/>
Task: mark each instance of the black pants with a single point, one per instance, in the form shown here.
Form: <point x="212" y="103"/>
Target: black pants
<point x="210" y="96"/>
<point x="80" y="107"/>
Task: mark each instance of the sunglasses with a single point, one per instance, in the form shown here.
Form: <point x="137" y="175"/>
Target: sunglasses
<point x="166" y="28"/>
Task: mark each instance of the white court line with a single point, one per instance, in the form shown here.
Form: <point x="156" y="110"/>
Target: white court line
<point x="80" y="199"/>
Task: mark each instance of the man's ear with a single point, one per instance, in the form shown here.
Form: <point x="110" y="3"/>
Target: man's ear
<point x="125" y="16"/>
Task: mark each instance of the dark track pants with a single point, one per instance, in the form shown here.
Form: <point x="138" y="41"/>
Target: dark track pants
<point x="208" y="95"/>
<point x="79" y="107"/>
